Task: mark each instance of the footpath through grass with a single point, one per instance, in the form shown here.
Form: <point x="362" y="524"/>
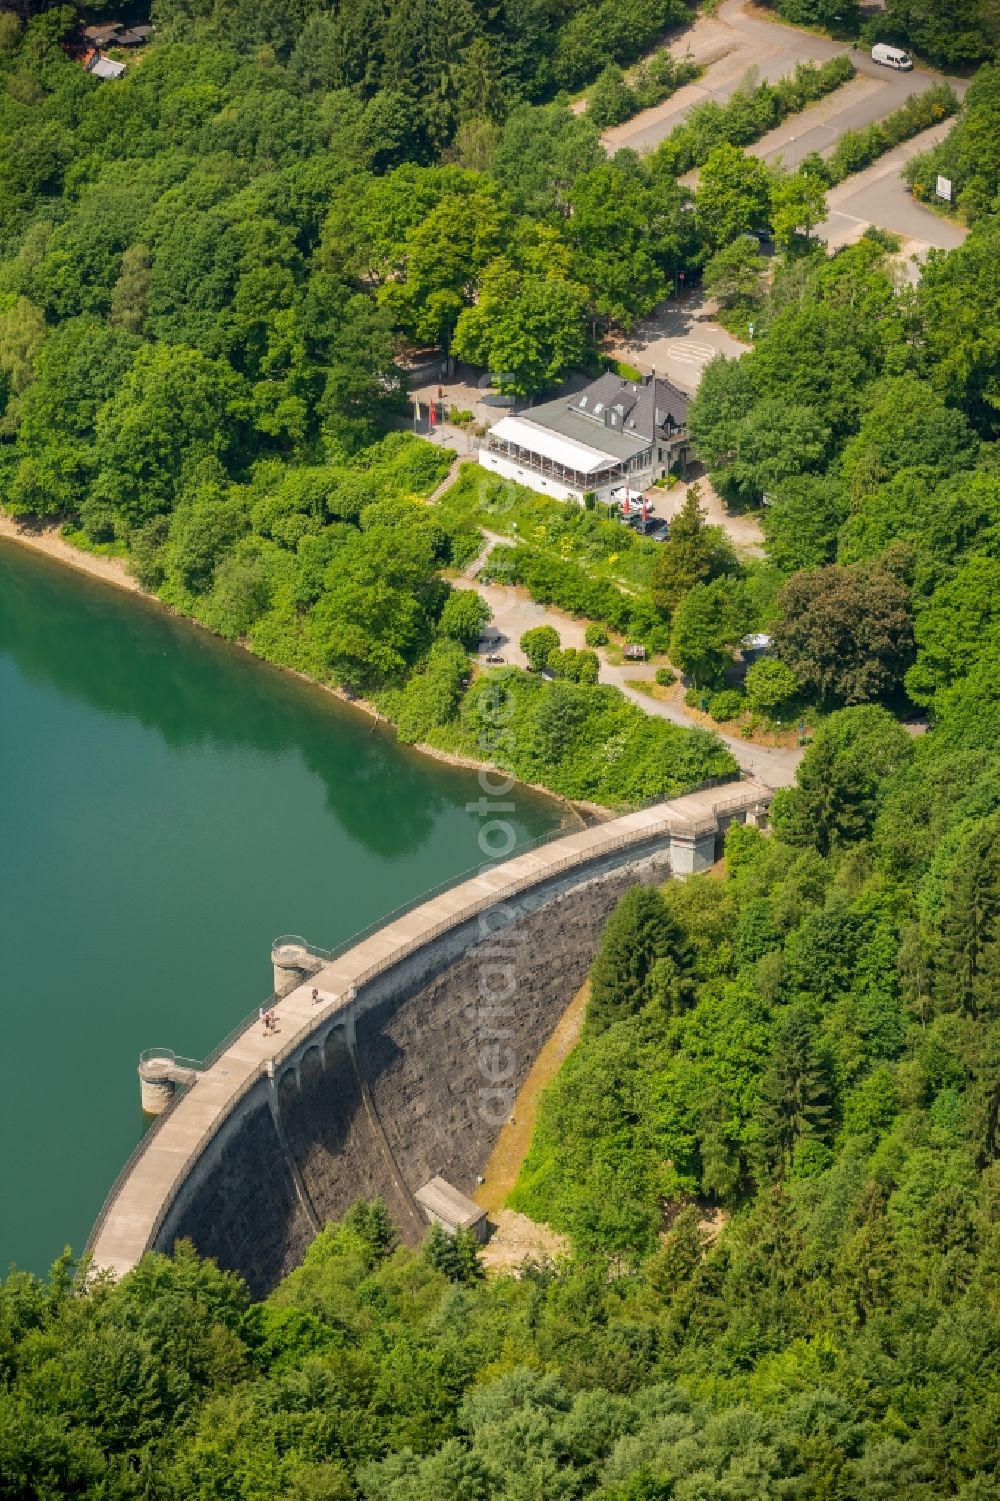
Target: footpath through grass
<point x="605" y="549"/>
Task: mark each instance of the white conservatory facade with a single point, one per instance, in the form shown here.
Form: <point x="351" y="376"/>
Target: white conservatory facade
<point x="600" y="440"/>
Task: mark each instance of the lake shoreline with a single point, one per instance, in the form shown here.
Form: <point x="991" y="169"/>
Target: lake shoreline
<point x="47" y="541"/>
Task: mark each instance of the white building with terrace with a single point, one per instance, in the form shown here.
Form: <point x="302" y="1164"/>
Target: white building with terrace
<point x="614" y="434"/>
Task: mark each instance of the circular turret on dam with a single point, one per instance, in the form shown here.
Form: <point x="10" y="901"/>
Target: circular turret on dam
<point x="293" y="960"/>
<point x="161" y="1072"/>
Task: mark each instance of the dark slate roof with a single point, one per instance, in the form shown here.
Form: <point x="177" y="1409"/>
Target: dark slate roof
<point x="563" y="417"/>
<point x="612" y="390"/>
<point x="614" y="414"/>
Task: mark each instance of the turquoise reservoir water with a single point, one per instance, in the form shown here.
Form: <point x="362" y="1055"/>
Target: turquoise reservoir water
<point x="168" y="805"/>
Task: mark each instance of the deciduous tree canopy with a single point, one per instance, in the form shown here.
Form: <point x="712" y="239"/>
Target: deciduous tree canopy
<point x="846" y="633"/>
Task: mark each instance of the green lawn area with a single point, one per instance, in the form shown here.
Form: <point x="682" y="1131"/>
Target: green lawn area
<point x="604" y="549"/>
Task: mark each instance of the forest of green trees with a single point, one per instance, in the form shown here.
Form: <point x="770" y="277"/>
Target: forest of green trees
<point x="868" y="419"/>
<point x="208" y="273"/>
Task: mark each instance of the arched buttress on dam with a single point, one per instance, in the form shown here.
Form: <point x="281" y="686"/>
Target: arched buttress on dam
<point x="403" y="1075"/>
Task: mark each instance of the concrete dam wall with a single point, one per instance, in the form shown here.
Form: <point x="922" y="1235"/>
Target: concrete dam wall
<point x="400" y="1106"/>
<point x="407" y="1065"/>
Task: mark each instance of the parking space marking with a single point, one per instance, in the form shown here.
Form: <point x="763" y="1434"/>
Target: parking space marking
<point x="687" y="353"/>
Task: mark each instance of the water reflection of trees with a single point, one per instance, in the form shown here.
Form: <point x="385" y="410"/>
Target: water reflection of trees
<point x="126" y="657"/>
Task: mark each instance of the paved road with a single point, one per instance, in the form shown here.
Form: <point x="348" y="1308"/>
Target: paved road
<point x="730" y="44"/>
<point x="678" y="340"/>
<point x="820" y="127"/>
<point x="514" y="613"/>
<point x="879" y="196"/>
<point x="771" y="764"/>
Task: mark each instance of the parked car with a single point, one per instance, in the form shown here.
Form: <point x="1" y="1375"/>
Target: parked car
<point x="891" y="57"/>
<point x="652" y="526"/>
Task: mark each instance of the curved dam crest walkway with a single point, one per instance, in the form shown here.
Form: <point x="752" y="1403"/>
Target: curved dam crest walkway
<point x="146" y="1209"/>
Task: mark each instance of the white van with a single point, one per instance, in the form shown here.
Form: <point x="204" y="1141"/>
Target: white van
<point x="891" y="57"/>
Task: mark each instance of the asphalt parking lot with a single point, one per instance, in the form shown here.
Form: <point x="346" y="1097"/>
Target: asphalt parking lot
<point x="735" y="47"/>
<point x="880" y="196"/>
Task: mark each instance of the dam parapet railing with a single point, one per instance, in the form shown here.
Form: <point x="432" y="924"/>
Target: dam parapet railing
<point x="251" y="1055"/>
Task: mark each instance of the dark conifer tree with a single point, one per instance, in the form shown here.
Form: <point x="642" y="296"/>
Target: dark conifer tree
<point x="795" y="1096"/>
<point x="371" y="1223"/>
<point x="966" y="953"/>
<point x="864" y="1270"/>
<point x="457" y="1256"/>
<point x="639" y="932"/>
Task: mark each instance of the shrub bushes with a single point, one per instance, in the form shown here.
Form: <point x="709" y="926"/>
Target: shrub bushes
<point x="609" y="31"/>
<point x="576" y="666"/>
<point x="552" y="581"/>
<point x="661" y="76"/>
<point x="595" y="635"/>
<point x="729" y="704"/>
<point x="463" y="617"/>
<point x="431" y="696"/>
<point x="628" y="372"/>
<point x="769" y="684"/>
<point x="586" y="538"/>
<point x="749" y="114"/>
<point x="614" y="98"/>
<point x="609" y="99"/>
<point x="665" y="677"/>
<point x="538" y="644"/>
<point x="857" y="149"/>
<point x="583" y="740"/>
